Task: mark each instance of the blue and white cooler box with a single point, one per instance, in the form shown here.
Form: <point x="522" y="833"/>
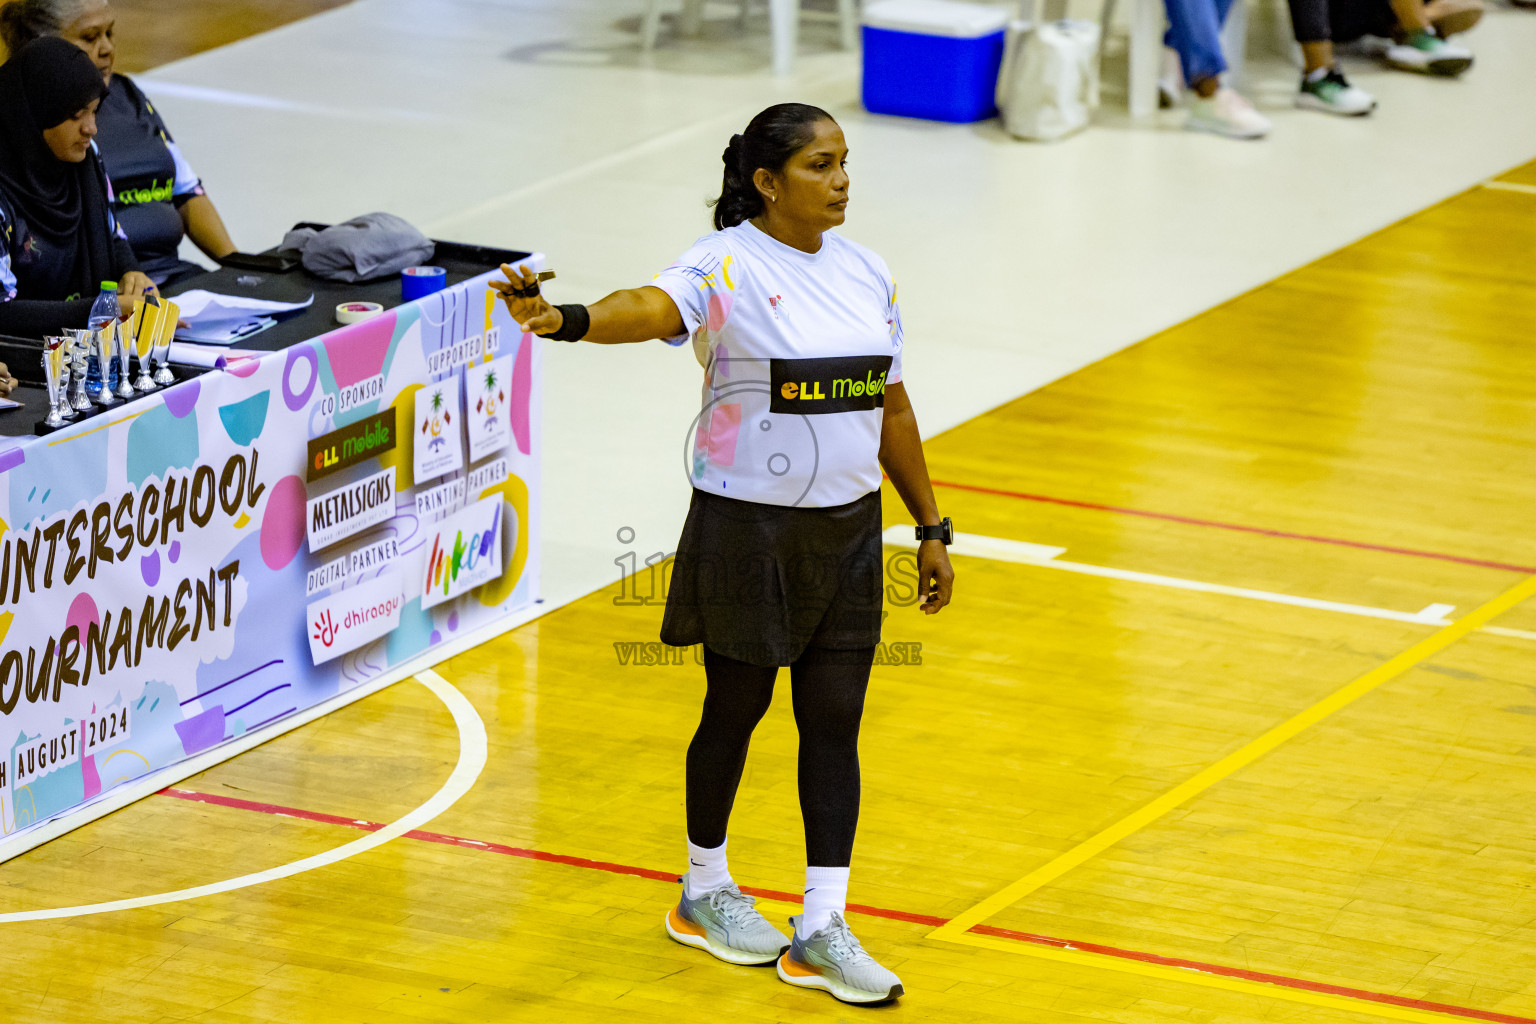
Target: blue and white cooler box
<point x="934" y="59"/>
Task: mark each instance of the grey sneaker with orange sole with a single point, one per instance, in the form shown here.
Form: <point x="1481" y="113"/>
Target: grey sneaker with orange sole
<point x="833" y="961"/>
<point x="725" y="923"/>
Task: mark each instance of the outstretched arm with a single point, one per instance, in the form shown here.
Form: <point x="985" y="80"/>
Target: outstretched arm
<point x="634" y="314"/>
<point x="901" y="456"/>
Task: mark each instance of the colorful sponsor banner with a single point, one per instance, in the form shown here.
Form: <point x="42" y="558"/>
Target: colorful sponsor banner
<point x="464" y="553"/>
<point x="164" y="565"/>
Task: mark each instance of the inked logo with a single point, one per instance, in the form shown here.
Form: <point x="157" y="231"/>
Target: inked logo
<point x="465" y="552"/>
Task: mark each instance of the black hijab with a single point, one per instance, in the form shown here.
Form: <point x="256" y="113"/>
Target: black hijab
<point x="43" y="85"/>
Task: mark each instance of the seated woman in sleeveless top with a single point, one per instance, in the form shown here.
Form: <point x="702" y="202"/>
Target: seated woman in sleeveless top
<point x="158" y="197"/>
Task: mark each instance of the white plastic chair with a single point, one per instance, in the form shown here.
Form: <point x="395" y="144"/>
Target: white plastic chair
<point x="1148" y="21"/>
<point x="785" y="16"/>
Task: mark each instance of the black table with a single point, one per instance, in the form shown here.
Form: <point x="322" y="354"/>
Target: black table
<point x="462" y="262"/>
<point x="23" y="356"/>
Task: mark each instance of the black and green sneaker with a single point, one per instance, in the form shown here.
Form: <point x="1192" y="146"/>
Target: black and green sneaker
<point x="1331" y="93"/>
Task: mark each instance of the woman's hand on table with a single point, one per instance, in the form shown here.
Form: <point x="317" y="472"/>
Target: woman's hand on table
<point x="7" y="382"/>
<point x="532" y="313"/>
<point x="132" y="289"/>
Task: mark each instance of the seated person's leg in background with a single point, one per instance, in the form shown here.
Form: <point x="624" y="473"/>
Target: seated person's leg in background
<point x="1195" y="32"/>
<point x="1417" y="46"/>
<point x="1323" y="86"/>
<point x="1452" y="16"/>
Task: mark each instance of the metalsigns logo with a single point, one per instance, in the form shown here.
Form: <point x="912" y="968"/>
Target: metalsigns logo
<point x="351" y="509"/>
<point x="357" y="616"/>
<point x="465" y="551"/>
<point x="365" y="439"/>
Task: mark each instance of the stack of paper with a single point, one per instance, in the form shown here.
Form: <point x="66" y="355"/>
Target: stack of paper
<point x="217" y="319"/>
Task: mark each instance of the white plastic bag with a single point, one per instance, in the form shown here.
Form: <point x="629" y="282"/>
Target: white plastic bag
<point x="1050" y="78"/>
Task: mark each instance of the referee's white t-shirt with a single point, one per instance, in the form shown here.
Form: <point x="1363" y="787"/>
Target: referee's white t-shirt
<point x="797" y="349"/>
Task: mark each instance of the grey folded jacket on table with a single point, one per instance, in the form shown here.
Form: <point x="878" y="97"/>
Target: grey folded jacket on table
<point x="364" y="248"/>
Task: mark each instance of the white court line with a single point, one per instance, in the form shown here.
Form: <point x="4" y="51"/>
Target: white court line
<point x="472" y="754"/>
<point x="157" y="87"/>
<point x="1510" y="186"/>
<point x="1000" y="549"/>
<point x="662" y="143"/>
<point x="1518" y="634"/>
<point x="1045" y="557"/>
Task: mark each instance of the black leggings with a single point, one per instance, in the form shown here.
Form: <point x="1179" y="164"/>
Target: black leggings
<point x="828" y="689"/>
<point x="1342" y="21"/>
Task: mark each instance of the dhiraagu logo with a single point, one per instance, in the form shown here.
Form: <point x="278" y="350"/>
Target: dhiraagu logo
<point x="354" y="616"/>
<point x="464" y="552"/>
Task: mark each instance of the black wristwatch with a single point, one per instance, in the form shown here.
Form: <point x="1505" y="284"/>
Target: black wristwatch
<point x="945" y="532"/>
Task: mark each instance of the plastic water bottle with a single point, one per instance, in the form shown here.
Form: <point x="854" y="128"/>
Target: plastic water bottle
<point x="103" y="311"/>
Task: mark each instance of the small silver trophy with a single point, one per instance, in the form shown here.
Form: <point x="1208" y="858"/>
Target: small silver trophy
<point x="163" y="374"/>
<point x="62" y="404"/>
<point x="124" y="373"/>
<point x="80" y="351"/>
<point x="101" y="351"/>
<point x="146" y="380"/>
<point x="161" y="320"/>
<point x="53" y="359"/>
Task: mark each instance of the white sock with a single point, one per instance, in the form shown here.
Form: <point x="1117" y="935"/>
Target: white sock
<point x="706" y="870"/>
<point x="826" y="890"/>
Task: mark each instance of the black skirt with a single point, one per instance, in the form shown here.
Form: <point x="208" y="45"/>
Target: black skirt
<point x="761" y="583"/>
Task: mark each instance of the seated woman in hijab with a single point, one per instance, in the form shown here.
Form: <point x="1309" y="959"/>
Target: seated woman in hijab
<point x="60" y="238"/>
<point x="159" y="198"/>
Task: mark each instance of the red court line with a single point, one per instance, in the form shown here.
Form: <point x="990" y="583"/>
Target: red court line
<point x="1237" y="527"/>
<point x="883" y="912"/>
<point x="1237" y="972"/>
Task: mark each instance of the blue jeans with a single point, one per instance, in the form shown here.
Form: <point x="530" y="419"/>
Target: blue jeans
<point x="1195" y="32"/>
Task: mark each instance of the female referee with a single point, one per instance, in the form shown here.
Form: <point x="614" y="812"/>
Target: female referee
<point x="780" y="559"/>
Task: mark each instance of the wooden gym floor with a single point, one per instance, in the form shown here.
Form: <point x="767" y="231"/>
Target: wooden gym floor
<point x="1239" y="729"/>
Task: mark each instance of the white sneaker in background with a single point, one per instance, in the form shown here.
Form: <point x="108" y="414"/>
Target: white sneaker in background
<point x="1226" y="113"/>
<point x="1428" y="54"/>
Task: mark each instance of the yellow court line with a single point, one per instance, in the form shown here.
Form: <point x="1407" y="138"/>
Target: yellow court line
<point x="1510" y="186"/>
<point x="1246" y="755"/>
<point x="1189" y="976"/>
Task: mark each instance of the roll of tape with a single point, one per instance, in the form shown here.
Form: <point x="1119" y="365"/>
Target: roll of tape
<point x="352" y="312"/>
<point x="418" y="281"/>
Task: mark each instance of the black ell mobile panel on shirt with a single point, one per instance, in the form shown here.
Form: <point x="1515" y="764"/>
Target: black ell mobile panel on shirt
<point x="830" y="384"/>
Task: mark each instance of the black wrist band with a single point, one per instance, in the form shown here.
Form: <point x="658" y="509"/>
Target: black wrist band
<point x="943" y="531"/>
<point x="575" y="321"/>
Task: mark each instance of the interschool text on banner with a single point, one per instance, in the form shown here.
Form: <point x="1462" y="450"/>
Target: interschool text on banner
<point x="79" y="544"/>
